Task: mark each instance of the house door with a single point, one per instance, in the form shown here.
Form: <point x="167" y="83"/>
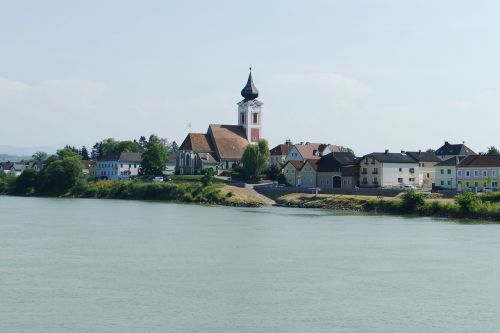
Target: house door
<point x="336" y="182"/>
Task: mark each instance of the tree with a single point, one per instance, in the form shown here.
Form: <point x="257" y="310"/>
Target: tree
<point x="255" y="159"/>
<point x="174" y="147"/>
<point x="62" y="172"/>
<point x="154" y="157"/>
<point x="85" y="153"/>
<point x="143" y="143"/>
<point x="346" y="150"/>
<point x="128" y="146"/>
<point x="40" y="156"/>
<point x="493" y="151"/>
<point x="97" y="151"/>
<point x="273" y="172"/>
<point x="25" y="183"/>
<point x="207" y="177"/>
<point x="431" y="151"/>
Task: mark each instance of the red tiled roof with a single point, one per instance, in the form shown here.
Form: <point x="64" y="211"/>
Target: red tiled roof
<point x="311" y="150"/>
<point x="229" y="141"/>
<point x="296" y="164"/>
<point x="197" y="142"/>
<point x="480" y="161"/>
<point x="281" y="149"/>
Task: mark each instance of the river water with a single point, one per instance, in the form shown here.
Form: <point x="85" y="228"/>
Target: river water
<point x="75" y="265"/>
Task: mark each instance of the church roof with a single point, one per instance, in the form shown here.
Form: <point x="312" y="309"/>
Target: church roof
<point x="198" y="142"/>
<point x="249" y="91"/>
<point x="229" y="141"/>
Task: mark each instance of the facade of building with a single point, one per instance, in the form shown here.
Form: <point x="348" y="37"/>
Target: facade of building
<point x="337" y="170"/>
<point x="479" y="172"/>
<point x="301" y="173"/>
<point x="222" y="146"/>
<point x="450" y="150"/>
<point x="446" y="173"/>
<point x="426" y="166"/>
<point x="387" y="170"/>
<point x="119" y="166"/>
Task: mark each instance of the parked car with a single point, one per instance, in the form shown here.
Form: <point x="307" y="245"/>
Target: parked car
<point x="158" y="179"/>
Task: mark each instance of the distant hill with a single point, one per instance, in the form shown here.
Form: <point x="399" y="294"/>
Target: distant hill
<point x="13" y="158"/>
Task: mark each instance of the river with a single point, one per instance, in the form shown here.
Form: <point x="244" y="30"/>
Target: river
<point x="76" y="265"/>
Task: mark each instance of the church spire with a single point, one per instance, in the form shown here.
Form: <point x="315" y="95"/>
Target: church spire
<point x="250" y="91"/>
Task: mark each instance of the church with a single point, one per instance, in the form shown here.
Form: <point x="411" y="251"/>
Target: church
<point x="222" y="146"/>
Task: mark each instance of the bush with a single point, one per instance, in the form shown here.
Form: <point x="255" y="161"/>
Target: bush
<point x="468" y="202"/>
<point x="411" y="201"/>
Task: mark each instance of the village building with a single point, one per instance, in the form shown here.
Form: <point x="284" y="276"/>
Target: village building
<point x="337" y="170"/>
<point x="426" y="167"/>
<point x="222" y="146"/>
<point x="446" y="173"/>
<point x="387" y="170"/>
<point x="119" y="166"/>
<point x="479" y="172"/>
<point x="450" y="150"/>
<point x="301" y="173"/>
<point x="278" y="154"/>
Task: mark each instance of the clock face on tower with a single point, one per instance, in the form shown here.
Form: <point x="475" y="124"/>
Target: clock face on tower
<point x="255" y="134"/>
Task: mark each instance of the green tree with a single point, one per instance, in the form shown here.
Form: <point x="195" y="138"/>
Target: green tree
<point x="493" y="151"/>
<point x="207" y="177"/>
<point x="431" y="151"/>
<point x="3" y="182"/>
<point x="154" y="157"/>
<point x="255" y="159"/>
<point x="128" y="146"/>
<point x="346" y="150"/>
<point x="25" y="184"/>
<point x="85" y="153"/>
<point x="40" y="156"/>
<point x="61" y="173"/>
<point x="467" y="201"/>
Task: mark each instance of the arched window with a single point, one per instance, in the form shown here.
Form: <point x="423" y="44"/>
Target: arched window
<point x="188" y="158"/>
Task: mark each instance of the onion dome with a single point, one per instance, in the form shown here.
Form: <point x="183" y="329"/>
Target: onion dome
<point x="250" y="91"/>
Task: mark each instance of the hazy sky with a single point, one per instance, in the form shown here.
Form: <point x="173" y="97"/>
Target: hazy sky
<point x="366" y="74"/>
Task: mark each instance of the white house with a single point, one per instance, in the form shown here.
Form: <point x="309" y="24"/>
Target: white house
<point x="388" y="170"/>
<point x="119" y="166"/>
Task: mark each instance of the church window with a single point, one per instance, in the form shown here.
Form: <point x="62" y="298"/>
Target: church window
<point x="255" y="118"/>
<point x="242" y="118"/>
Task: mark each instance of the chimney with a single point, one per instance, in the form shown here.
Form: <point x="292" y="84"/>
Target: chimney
<point x="420" y="151"/>
<point x="387" y="151"/>
<point x="446" y="143"/>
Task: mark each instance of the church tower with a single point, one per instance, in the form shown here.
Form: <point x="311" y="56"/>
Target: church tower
<point x="250" y="111"/>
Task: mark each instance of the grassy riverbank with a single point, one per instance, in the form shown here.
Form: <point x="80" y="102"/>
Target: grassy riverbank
<point x="464" y="206"/>
<point x="189" y="192"/>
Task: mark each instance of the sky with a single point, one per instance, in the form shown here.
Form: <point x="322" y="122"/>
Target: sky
<point x="370" y="75"/>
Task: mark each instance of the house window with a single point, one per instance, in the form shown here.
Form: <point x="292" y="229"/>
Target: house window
<point x="449" y="182"/>
<point x="485" y="174"/>
<point x="449" y="171"/>
<point x="442" y="183"/>
<point x="243" y="118"/>
<point x="476" y="173"/>
<point x="121" y="165"/>
<point x="129" y="166"/>
<point x="255" y="118"/>
<point x="135" y="165"/>
<point x="411" y="179"/>
<point x="475" y="184"/>
<point x="442" y="171"/>
<point x="428" y="175"/>
<point x="400" y="180"/>
<point x="467" y="174"/>
<point x="412" y="170"/>
<point x="467" y="184"/>
<point x="423" y="164"/>
<point x="493" y="173"/>
<point x="400" y="169"/>
<point x="459" y="173"/>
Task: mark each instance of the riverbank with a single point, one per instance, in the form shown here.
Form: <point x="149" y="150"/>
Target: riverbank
<point x="469" y="206"/>
<point x="188" y="192"/>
